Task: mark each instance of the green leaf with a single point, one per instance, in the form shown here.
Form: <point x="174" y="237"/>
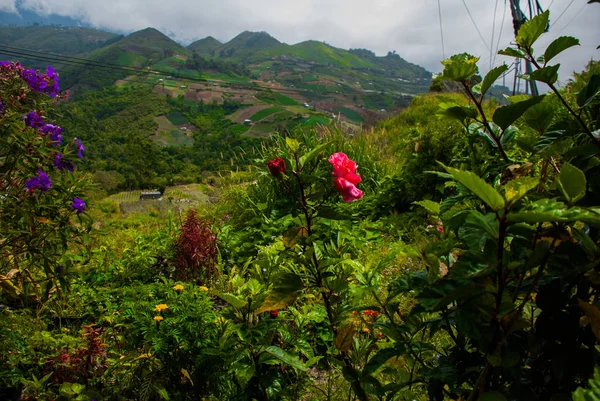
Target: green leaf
<point x="478" y="186"/>
<point x="547" y="140"/>
<point x="381" y="357"/>
<point x="233" y="300"/>
<point x="516" y="189"/>
<point x="460" y="67"/>
<point x="558" y="46"/>
<point x="550" y="210"/>
<point x="431" y="206"/>
<point x="586" y="242"/>
<point x="491" y="77"/>
<point x="328" y="212"/>
<point x="539" y="117"/>
<point x="592" y="392"/>
<point x="589" y="91"/>
<point x="506" y="115"/>
<point x="307" y="158"/>
<point x="547" y="75"/>
<point x="456" y="112"/>
<point x="284" y="292"/>
<point x="292" y="144"/>
<point x="509" y="51"/>
<point x="571" y="182"/>
<point x="286" y="357"/>
<point x="531" y="30"/>
<point x="492" y="396"/>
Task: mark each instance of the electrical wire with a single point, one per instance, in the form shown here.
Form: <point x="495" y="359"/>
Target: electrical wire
<point x="500" y="34"/>
<point x="572" y="19"/>
<point x="441" y="30"/>
<point x="493" y="32"/>
<point x="564" y="11"/>
<point x="475" y="25"/>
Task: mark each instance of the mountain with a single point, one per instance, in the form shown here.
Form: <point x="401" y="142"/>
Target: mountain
<point x="206" y="46"/>
<point x="247" y="44"/>
<point x="25" y="17"/>
<point x="55" y="39"/>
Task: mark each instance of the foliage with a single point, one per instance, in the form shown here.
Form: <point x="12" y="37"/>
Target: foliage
<point x="196" y="251"/>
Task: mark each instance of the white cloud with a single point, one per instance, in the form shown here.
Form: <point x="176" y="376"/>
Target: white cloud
<point x="410" y="27"/>
<point x="8" y="6"/>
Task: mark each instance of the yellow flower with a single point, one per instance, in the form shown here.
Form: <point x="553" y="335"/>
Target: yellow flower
<point x="178" y="287"/>
<point x="203" y="288"/>
<point x="161" y="307"/>
<point x="158" y="318"/>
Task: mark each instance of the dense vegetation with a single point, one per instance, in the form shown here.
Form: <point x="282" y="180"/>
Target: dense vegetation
<point x="452" y="252"/>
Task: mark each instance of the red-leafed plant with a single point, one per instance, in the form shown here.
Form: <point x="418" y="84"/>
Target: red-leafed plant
<point x="196" y="250"/>
<point x="82" y="364"/>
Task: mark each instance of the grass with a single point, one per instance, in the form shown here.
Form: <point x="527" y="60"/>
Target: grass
<point x="265" y="112"/>
<point x="314" y="120"/>
<point x="170" y="82"/>
<point x="177" y="118"/>
<point x="285" y="100"/>
<point x="352" y="115"/>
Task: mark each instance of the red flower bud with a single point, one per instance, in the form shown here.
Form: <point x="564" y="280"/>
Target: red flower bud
<point x="274" y="314"/>
<point x="276" y="166"/>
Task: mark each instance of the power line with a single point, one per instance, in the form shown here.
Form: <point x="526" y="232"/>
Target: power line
<point x="56" y="59"/>
<point x="500" y="34"/>
<point x="572" y="19"/>
<point x="564" y="11"/>
<point x="493" y="32"/>
<point x="441" y="30"/>
<point x="475" y="25"/>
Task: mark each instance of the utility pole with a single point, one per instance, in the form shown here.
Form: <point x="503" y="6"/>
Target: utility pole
<point x="519" y="18"/>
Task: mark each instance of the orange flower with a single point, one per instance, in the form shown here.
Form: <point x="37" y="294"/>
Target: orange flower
<point x="158" y="318"/>
<point x="161" y="307"/>
<point x="178" y="287"/>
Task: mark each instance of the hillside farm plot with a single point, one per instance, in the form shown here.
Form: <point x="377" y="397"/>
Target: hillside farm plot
<point x="168" y="134"/>
<point x="351" y="114"/>
<point x="265" y="112"/>
<point x="246" y="113"/>
<point x="177" y="118"/>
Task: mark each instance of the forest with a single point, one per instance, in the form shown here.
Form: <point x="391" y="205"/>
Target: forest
<point x="450" y="252"/>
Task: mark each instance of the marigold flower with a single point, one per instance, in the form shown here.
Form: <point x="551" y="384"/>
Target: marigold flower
<point x="178" y="287"/>
<point x="161" y="307"/>
<point x="158" y="318"/>
<point x="203" y="288"/>
<point x="276" y="166"/>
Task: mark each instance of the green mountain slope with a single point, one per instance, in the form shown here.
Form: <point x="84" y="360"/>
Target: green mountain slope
<point x="140" y="49"/>
<point x="206" y="46"/>
<point x="55" y="39"/>
<point x="247" y="45"/>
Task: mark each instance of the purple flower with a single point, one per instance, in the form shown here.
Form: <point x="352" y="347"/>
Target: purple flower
<point x="46" y="83"/>
<point x="55" y="133"/>
<point x="33" y="120"/>
<point x="62" y="164"/>
<point x="78" y="205"/>
<point x="40" y="181"/>
<point x="1" y="106"/>
<point x="53" y="77"/>
<point x="80" y="148"/>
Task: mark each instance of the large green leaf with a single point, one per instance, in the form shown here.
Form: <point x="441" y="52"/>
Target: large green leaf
<point x="307" y="158"/>
<point x="491" y="77"/>
<point x="506" y="115"/>
<point x="531" y="30"/>
<point x="559" y="45"/>
<point x="343" y="339"/>
<point x="381" y="357"/>
<point x="479" y="187"/>
<point x="547" y="75"/>
<point x="285" y="291"/>
<point x="589" y="91"/>
<point x="539" y="117"/>
<point x="233" y="300"/>
<point x="571" y="181"/>
<point x="592" y="391"/>
<point x="431" y="206"/>
<point x="548" y="210"/>
<point x="460" y="67"/>
<point x="516" y="189"/>
<point x="455" y="112"/>
<point x="509" y="51"/>
<point x="286" y="357"/>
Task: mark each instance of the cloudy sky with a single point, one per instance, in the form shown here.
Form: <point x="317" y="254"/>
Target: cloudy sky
<point x="411" y="27"/>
